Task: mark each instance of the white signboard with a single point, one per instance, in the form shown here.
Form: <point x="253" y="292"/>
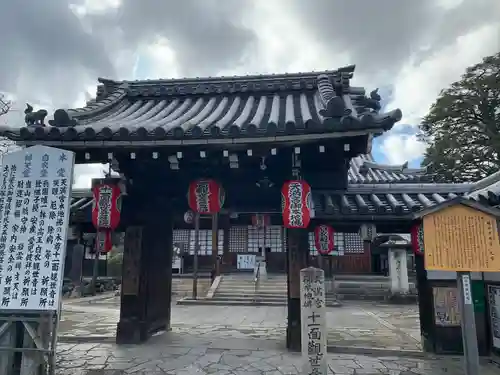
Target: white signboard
<point x="35" y="191"/>
<point x="313" y="321"/>
<point x="245" y="261"/>
<point x="467" y="289"/>
<point x="494" y="302"/>
<point x="176" y="263"/>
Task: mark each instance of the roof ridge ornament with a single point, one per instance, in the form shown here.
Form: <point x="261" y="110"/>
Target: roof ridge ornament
<point x="402" y="168"/>
<point x="333" y="105"/>
<point x="62" y="119"/>
<point x="32" y="118"/>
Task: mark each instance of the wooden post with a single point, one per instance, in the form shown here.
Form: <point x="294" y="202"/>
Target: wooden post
<point x="195" y="258"/>
<point x="215" y="244"/>
<point x="313" y="321"/>
<point x="7" y="340"/>
<point x="298" y="245"/>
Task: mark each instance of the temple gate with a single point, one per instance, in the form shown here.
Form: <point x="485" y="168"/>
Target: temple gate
<point x="251" y="134"/>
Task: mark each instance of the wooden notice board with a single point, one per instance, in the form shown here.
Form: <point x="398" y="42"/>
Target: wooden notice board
<point x="461" y="238"/>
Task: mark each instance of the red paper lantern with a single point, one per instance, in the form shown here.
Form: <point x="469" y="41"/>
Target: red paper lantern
<point x="295" y="204"/>
<point x="205" y="196"/>
<point x="417" y="238"/>
<point x="106" y="211"/>
<point x="323" y="239"/>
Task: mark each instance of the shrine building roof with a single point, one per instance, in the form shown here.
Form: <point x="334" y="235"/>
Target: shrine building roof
<point x="220" y="109"/>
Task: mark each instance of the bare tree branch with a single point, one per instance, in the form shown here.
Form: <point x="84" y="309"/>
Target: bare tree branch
<point x="4" y="105"/>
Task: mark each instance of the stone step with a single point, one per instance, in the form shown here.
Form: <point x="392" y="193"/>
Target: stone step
<point x="245" y="302"/>
<point x="252" y="292"/>
<point x="213" y="302"/>
<point x="243" y="289"/>
<point x="249" y="295"/>
<point x="263" y="283"/>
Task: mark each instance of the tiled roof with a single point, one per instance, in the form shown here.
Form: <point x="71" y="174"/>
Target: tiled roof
<point x="380" y="202"/>
<point x="353" y="202"/>
<point x="360" y="173"/>
<point x="249" y="106"/>
<point x="378" y="199"/>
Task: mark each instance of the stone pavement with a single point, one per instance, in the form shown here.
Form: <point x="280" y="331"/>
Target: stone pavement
<point x="173" y="354"/>
<point x="367" y="327"/>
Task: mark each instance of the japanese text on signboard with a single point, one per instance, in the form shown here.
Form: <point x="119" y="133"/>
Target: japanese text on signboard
<point x="34" y="202"/>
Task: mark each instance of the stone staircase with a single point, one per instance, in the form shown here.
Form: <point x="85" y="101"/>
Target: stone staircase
<point x="367" y="287"/>
<point x="239" y="289"/>
<point x="183" y="286"/>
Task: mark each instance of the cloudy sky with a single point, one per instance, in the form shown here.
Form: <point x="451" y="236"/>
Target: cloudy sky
<point x="53" y="50"/>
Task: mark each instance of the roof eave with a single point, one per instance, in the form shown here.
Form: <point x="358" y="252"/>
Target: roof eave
<point x="198" y="141"/>
<point x="457" y="201"/>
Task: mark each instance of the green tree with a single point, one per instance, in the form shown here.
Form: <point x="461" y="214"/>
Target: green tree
<point x="115" y="261"/>
<point x="462" y="128"/>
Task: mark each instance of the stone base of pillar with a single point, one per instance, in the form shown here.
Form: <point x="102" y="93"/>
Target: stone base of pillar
<point x="293" y="330"/>
<point x="131" y="332"/>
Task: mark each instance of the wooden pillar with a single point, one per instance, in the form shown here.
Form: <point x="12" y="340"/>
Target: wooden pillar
<point x="297" y="243"/>
<point x="367" y="247"/>
<point x="147" y="270"/>
<point x="225" y="224"/>
<point x="215" y="244"/>
<point x="425" y="307"/>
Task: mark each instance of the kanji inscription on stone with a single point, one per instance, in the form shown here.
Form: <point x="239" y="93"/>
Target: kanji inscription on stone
<point x="313" y="320"/>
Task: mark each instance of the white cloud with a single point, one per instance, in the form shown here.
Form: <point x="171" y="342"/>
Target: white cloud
<point x="399" y="148"/>
<point x="418" y="48"/>
<point x="84" y="173"/>
<point x="418" y="84"/>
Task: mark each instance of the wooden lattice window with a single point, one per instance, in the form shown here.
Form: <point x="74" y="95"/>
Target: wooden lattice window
<point x="353" y="243"/>
<point x="255" y="239"/>
<point x="338" y="240"/>
<point x="274" y="238"/>
<point x="220" y="242"/>
<point x="238" y="239"/>
<point x="205" y="241"/>
<point x="180" y="239"/>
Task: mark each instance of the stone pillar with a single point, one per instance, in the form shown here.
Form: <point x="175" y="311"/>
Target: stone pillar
<point x="297" y="242"/>
<point x="398" y="272"/>
<point x="313" y="321"/>
<point x="147" y="272"/>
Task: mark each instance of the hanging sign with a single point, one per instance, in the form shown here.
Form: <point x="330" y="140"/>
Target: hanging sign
<point x="417" y="238"/>
<point x="323" y="239"/>
<point x="205" y="196"/>
<point x="261" y="220"/>
<point x="296" y="204"/>
<point x="368" y="232"/>
<point x="106" y="211"/>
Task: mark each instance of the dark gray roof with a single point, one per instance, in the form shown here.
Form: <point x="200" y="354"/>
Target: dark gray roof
<point x="458" y="201"/>
<point x="249" y="106"/>
<point x="359" y="200"/>
<point x="376" y="203"/>
<point x="359" y="173"/>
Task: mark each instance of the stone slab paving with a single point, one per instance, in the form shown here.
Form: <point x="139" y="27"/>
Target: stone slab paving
<point x="180" y="355"/>
<point x="353" y="325"/>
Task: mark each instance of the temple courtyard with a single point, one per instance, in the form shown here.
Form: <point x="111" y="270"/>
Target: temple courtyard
<point x="364" y="338"/>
